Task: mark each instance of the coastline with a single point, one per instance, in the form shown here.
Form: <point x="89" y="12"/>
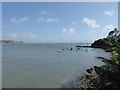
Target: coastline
<point x="100" y="76"/>
<point x="90" y="79"/>
<point x="107" y="75"/>
<point x="84" y="79"/>
<point x="10" y="42"/>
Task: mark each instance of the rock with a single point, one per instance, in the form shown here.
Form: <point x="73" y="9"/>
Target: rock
<point x="109" y="50"/>
<point x="99" y="70"/>
<point x="84" y="46"/>
<point x="90" y="70"/>
<point x="100" y="58"/>
<point x="89" y="76"/>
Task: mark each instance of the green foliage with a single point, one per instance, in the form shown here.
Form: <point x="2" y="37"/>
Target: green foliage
<point x="114" y="55"/>
<point x="110" y="72"/>
<point x="108" y="75"/>
<point x="103" y="43"/>
<point x="109" y="43"/>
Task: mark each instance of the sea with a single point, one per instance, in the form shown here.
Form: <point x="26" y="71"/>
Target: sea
<point x="47" y="65"/>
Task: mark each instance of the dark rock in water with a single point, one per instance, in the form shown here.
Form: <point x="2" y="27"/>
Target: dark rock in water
<point x="95" y="66"/>
<point x="105" y="60"/>
<point x="89" y="76"/>
<point x="98" y="70"/>
<point x="100" y="58"/>
<point x="83" y="77"/>
<point x="90" y="70"/>
<point x="84" y="46"/>
<point x="110" y="50"/>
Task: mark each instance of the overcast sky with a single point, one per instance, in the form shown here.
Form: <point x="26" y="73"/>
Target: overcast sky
<point x="58" y="22"/>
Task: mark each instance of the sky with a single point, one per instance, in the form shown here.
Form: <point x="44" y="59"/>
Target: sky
<point x="58" y="22"/>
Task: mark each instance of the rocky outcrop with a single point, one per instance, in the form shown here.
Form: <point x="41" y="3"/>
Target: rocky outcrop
<point x="101" y="43"/>
<point x="84" y="46"/>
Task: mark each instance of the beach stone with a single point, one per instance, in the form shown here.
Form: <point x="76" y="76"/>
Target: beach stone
<point x="89" y="76"/>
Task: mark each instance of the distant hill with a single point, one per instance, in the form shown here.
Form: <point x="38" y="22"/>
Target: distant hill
<point x="10" y="42"/>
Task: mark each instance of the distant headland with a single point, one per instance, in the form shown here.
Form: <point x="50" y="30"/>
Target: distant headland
<point x="108" y="43"/>
<point x="10" y="42"/>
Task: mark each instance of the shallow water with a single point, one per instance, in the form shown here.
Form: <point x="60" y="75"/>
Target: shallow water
<point x="41" y="66"/>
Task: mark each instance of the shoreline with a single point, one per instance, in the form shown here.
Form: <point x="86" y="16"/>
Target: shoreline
<point x="85" y="76"/>
<point x="85" y="46"/>
<point x="107" y="75"/>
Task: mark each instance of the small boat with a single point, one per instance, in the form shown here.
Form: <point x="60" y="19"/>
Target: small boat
<point x="71" y="48"/>
<point x="59" y="50"/>
<point x="68" y="48"/>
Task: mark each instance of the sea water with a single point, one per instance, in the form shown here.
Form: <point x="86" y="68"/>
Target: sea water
<point x="42" y="66"/>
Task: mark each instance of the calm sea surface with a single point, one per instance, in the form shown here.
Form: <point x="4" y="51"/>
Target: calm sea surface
<point x="42" y="66"/>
